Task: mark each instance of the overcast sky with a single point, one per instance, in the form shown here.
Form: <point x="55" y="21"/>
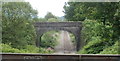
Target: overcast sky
<point x="44" y="6"/>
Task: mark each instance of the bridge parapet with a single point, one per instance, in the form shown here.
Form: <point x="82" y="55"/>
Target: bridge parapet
<point x="57" y="24"/>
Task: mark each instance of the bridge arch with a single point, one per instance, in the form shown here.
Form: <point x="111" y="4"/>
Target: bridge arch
<point x="72" y="27"/>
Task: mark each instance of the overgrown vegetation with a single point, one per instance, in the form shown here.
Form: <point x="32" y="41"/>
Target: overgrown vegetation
<point x="17" y="28"/>
<point x="28" y="49"/>
<point x="94" y="42"/>
<point x="18" y="33"/>
<point x="49" y="39"/>
<point x="101" y="25"/>
<point x="100" y="32"/>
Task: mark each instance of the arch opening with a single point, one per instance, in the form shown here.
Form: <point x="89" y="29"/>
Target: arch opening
<point x="60" y="41"/>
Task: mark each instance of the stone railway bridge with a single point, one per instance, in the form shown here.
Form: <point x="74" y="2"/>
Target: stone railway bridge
<point x="72" y="27"/>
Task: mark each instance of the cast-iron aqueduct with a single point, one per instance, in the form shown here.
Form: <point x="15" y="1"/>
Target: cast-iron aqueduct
<point x="72" y="27"/>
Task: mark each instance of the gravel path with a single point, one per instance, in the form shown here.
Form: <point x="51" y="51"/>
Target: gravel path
<point x="65" y="44"/>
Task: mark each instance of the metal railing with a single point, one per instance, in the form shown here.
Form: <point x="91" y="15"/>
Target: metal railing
<point x="59" y="57"/>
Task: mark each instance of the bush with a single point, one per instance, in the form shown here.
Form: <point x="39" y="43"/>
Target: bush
<point x="97" y="38"/>
<point x="49" y="39"/>
<point x="93" y="47"/>
<point x="91" y="36"/>
<point x="91" y="28"/>
<point x="8" y="49"/>
<point x="28" y="49"/>
<point x="112" y="49"/>
<point x="34" y="49"/>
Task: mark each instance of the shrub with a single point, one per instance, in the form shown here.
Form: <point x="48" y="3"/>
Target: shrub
<point x="8" y="49"/>
<point x="28" y="49"/>
<point x="112" y="49"/>
<point x="96" y="37"/>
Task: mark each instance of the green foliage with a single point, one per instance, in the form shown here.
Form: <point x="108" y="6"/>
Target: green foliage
<point x="91" y="28"/>
<point x="28" y="49"/>
<point x="49" y="39"/>
<point x="102" y="30"/>
<point x="49" y="15"/>
<point x="34" y="49"/>
<point x="8" y="49"/>
<point x="94" y="46"/>
<point x="92" y="33"/>
<point x="31" y="49"/>
<point x="72" y="38"/>
<point x="69" y="11"/>
<point x="53" y="20"/>
<point x="105" y="12"/>
<point x="18" y="33"/>
<point x="17" y="24"/>
<point x="41" y="20"/>
<point x="79" y="11"/>
<point x="112" y="49"/>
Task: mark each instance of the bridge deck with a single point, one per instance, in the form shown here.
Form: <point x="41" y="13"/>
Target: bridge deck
<point x="56" y="57"/>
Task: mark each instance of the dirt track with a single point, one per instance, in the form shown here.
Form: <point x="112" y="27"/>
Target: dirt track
<point x="65" y="44"/>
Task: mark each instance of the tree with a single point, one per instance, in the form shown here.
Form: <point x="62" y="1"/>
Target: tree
<point x="49" y="15"/>
<point x="69" y="11"/>
<point x="53" y="20"/>
<point x="49" y="39"/>
<point x="105" y="13"/>
<point x="17" y="24"/>
<point x="75" y="11"/>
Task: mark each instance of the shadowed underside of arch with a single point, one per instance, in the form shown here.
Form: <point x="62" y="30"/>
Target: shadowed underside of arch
<point x="72" y="27"/>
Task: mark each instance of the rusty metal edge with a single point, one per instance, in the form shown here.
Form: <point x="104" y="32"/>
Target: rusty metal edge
<point x="33" y="54"/>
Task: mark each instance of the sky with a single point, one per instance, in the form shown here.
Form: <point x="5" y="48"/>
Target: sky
<point x="44" y="6"/>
